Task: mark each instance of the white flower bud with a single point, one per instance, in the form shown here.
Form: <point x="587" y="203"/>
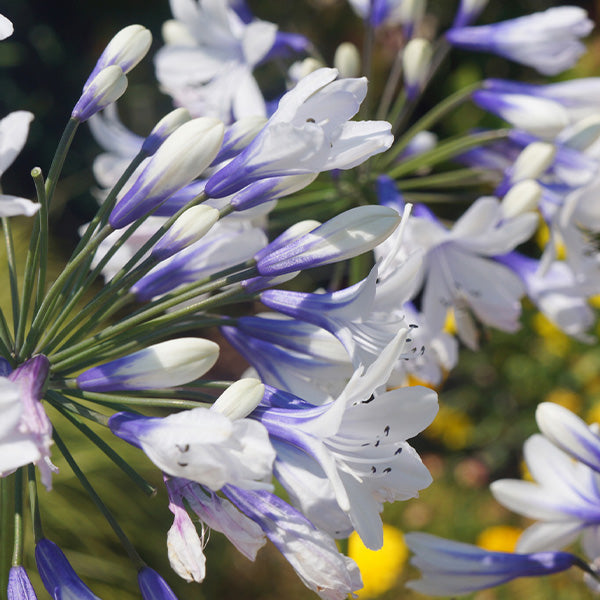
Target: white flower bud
<point x="521" y="198"/>
<point x="176" y="33"/>
<point x="238" y="135"/>
<point x="180" y="159"/>
<point x="6" y="27"/>
<point x="127" y="48"/>
<point x="164" y="128"/>
<point x="240" y="398"/>
<point x="191" y="226"/>
<point x="302" y="68"/>
<point x="533" y="161"/>
<point x="347" y="60"/>
<point x="167" y="364"/>
<point x="416" y="60"/>
<point x="104" y="89"/>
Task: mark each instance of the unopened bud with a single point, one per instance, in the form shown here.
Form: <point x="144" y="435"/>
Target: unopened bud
<point x="190" y="227"/>
<point x="347" y="235"/>
<point x="239" y="135"/>
<point x="521" y="198"/>
<point x="416" y="60"/>
<point x="177" y="34"/>
<point x="167" y="364"/>
<point x="106" y="87"/>
<point x="533" y="161"/>
<point x="303" y="68"/>
<point x="179" y="160"/>
<point x="125" y="50"/>
<point x="468" y="11"/>
<point x="347" y="60"/>
<point x="240" y="398"/>
<point x="164" y="128"/>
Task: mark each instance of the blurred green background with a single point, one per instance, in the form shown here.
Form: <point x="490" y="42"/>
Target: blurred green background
<point x="487" y="403"/>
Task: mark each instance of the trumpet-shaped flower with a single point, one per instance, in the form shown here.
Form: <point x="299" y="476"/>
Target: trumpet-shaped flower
<point x="309" y="132"/>
<point x="564" y="497"/>
<point x="311" y="552"/>
<point x="356" y="445"/>
<point x="25" y="430"/>
<point x="450" y="568"/>
<point x="547" y="41"/>
<point x="153" y="586"/>
<point x="202" y="445"/>
<point x="210" y="55"/>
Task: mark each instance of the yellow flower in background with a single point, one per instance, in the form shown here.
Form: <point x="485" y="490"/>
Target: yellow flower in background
<point x="450" y="324"/>
<point x="499" y="538"/>
<point x="451" y="427"/>
<point x="593" y="415"/>
<point x="555" y="341"/>
<point x="565" y="397"/>
<point x="379" y="568"/>
<point x="542" y="237"/>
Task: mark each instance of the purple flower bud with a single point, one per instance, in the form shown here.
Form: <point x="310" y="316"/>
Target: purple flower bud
<point x="107" y="86"/>
<point x="58" y="575"/>
<point x="153" y="586"/>
<point x="19" y="586"/>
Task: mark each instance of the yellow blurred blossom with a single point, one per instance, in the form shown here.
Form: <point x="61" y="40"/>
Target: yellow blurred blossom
<point x="412" y="380"/>
<point x="593" y="415"/>
<point x="525" y="474"/>
<point x="500" y="538"/>
<point x="565" y="397"/>
<point x="379" y="568"/>
<point x="555" y="341"/>
<point x="542" y="237"/>
<point x="450" y="324"/>
<point x="451" y="427"/>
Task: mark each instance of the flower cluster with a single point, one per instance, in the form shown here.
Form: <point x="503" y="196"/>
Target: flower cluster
<point x="201" y="214"/>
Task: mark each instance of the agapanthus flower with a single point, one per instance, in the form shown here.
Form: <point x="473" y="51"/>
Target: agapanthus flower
<point x="450" y="568"/>
<point x="309" y="132"/>
<point x="26" y="431"/>
<point x="547" y="41"/>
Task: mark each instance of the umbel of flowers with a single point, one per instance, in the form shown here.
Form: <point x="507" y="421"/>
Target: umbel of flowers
<point x="182" y="233"/>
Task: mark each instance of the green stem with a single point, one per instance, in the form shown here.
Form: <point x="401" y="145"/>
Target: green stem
<point x="17" y="558"/>
<point x="40" y="189"/>
<point x="154" y="309"/>
<point x="6" y="524"/>
<point x="118" y="285"/>
<point x="59" y="290"/>
<point x="122" y="399"/>
<point x="12" y="271"/>
<point x="66" y="407"/>
<point x="446" y="150"/>
<point x="426" y="121"/>
<point x="455" y="178"/>
<point x="59" y="157"/>
<point x="34" y="505"/>
<point x="129" y="548"/>
<point x="390" y="86"/>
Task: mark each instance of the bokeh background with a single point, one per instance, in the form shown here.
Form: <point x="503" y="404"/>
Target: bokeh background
<point x="487" y="403"/>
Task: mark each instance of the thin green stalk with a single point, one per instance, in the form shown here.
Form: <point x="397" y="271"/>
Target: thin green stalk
<point x="40" y="189"/>
<point x="124" y="276"/>
<point x="446" y="150"/>
<point x="58" y="291"/>
<point x="66" y="408"/>
<point x="17" y="558"/>
<point x="132" y="340"/>
<point x="121" y="399"/>
<point x="154" y="309"/>
<point x="129" y="548"/>
<point x="426" y="121"/>
<point x="390" y="87"/>
<point x="34" y="505"/>
<point x="12" y="271"/>
<point x="59" y="157"/>
<point x="109" y="202"/>
<point x="6" y="524"/>
<point x="5" y="334"/>
<point x="455" y="178"/>
<point x="367" y="64"/>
